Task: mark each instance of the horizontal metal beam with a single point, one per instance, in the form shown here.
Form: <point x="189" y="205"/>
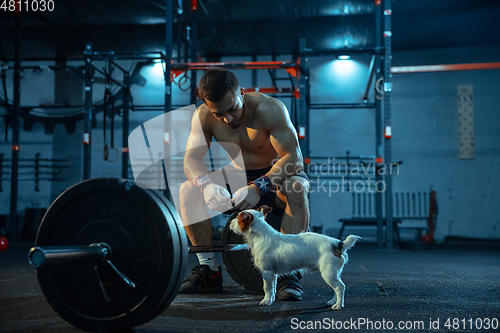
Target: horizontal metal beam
<point x="125" y="55"/>
<point x="346" y="51"/>
<point x="272" y="90"/>
<point x="158" y="107"/>
<point x="444" y="68"/>
<point x="234" y="65"/>
<point x="319" y="106"/>
<point x="370" y="157"/>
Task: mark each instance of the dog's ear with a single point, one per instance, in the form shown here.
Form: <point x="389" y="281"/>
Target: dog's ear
<point x="265" y="210"/>
<point x="244" y="221"/>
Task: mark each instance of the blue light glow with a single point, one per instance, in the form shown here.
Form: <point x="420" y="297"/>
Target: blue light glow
<point x="344" y="68"/>
<point x="339" y="81"/>
<point x="157" y="70"/>
<point x="153" y="93"/>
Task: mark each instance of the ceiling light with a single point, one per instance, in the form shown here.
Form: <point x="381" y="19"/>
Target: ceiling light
<point x="344" y="57"/>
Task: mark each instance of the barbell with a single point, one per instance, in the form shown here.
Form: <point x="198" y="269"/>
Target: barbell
<point x="111" y="255"/>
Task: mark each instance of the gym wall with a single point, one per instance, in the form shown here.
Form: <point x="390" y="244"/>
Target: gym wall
<point x="425" y="136"/>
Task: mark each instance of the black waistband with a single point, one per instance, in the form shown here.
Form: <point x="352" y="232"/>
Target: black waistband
<point x="256" y="173"/>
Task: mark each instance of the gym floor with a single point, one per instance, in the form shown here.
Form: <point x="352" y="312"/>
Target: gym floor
<point x="458" y="281"/>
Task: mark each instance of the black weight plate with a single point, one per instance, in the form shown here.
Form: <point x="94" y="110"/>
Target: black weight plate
<point x="169" y="297"/>
<point x="146" y="246"/>
<point x="239" y="264"/>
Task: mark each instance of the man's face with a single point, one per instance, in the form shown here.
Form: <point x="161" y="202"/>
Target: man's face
<point x="229" y="109"/>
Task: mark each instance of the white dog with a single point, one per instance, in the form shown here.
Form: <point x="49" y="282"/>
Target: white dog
<point x="275" y="253"/>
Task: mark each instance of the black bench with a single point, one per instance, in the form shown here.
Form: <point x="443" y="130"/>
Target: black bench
<point x="407" y="206"/>
<point x="368" y="222"/>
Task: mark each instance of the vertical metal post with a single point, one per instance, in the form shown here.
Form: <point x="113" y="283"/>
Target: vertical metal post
<point x="1" y="171"/>
<point x="168" y="84"/>
<point x="126" y="107"/>
<point x="254" y="73"/>
<point x="194" y="54"/>
<point x="272" y="72"/>
<point x="303" y="109"/>
<point x="37" y="172"/>
<point x="168" y="55"/>
<point x="15" y="129"/>
<point x="87" y="124"/>
<point x="387" y="120"/>
<point x="378" y="129"/>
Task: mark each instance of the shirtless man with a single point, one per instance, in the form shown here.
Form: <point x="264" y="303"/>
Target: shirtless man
<point x="260" y="126"/>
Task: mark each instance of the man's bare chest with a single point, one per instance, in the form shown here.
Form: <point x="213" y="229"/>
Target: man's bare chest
<point x="250" y="140"/>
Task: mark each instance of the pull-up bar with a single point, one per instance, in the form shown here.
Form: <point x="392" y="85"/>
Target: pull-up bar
<point x="290" y="67"/>
<point x="125" y="55"/>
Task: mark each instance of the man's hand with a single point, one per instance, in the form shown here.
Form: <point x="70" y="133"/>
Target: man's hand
<point x="246" y="197"/>
<point x="217" y="197"/>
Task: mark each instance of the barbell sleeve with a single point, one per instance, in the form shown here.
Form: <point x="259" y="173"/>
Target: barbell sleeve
<point x="54" y="255"/>
<point x="218" y="248"/>
<point x="98" y="253"/>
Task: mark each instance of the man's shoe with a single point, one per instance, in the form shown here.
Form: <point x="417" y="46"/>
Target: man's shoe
<point x="202" y="280"/>
<point x="288" y="287"/>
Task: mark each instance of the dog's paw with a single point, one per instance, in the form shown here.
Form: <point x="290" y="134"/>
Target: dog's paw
<point x="266" y="301"/>
<point x="336" y="307"/>
<point x="331" y="302"/>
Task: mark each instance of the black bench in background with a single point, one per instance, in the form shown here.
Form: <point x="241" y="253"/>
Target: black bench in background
<point x="368" y="222"/>
<point x="407" y="206"/>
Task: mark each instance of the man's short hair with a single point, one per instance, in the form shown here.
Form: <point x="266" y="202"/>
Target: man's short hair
<point x="215" y="84"/>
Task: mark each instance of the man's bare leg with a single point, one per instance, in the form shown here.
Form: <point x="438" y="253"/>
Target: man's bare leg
<point x="207" y="276"/>
<point x="194" y="215"/>
<point x="296" y="217"/>
<point x="295" y="220"/>
<point x="196" y="222"/>
<point x="199" y="233"/>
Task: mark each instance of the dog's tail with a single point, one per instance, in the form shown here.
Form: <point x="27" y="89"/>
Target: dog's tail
<point x="349" y="242"/>
<point x="342" y="246"/>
